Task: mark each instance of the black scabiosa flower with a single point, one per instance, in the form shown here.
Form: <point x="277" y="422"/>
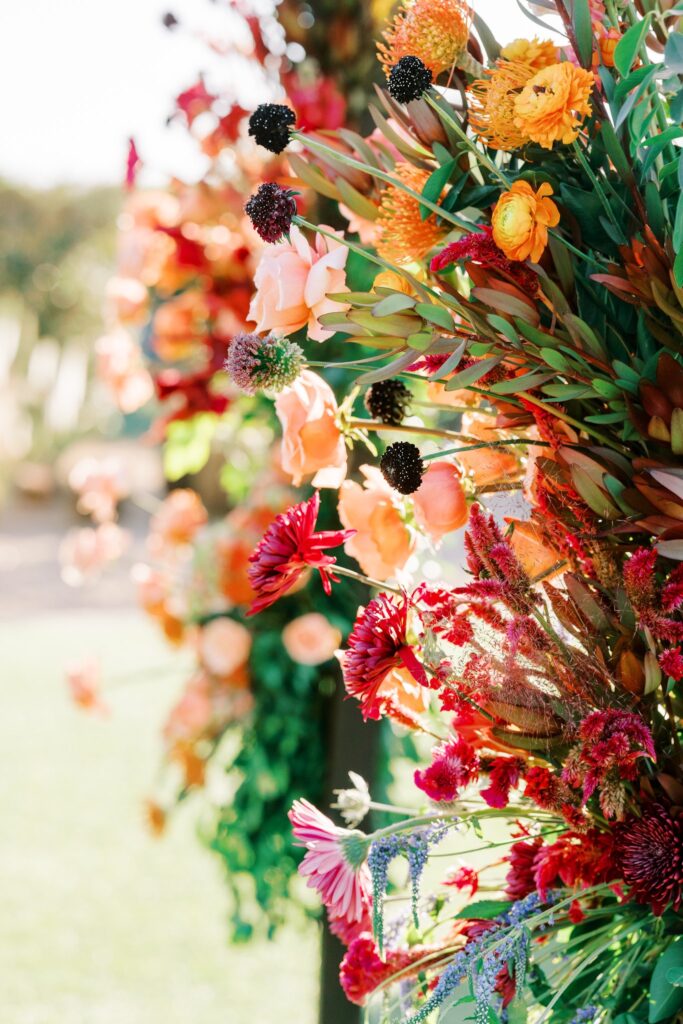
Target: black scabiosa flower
<point x="388" y="401"/>
<point x="271" y="210"/>
<point x="649" y="851"/>
<point x="402" y="467"/>
<point x="271" y="125"/>
<point x="409" y="79"/>
<point x="263" y="364"/>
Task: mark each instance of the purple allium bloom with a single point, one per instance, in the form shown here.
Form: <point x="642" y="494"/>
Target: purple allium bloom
<point x="257" y="364"/>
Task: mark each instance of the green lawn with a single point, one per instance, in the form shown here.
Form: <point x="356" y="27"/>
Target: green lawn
<point x="102" y="924"/>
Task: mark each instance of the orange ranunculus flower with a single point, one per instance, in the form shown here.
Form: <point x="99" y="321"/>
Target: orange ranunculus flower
<point x="312" y="442"/>
<point x="535" y="53"/>
<point x="180" y="517"/>
<point x="607" y="42"/>
<point x="534" y="554"/>
<point x="439" y="501"/>
<point x="382" y="543"/>
<point x="311" y="639"/>
<point x="492" y="104"/>
<point x="521" y="220"/>
<point x="553" y="104"/>
<point x="436" y="31"/>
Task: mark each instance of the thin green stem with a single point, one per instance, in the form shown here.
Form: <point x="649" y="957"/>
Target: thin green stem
<point x="484" y="444"/>
<point x="401" y="428"/>
<point x="367" y="580"/>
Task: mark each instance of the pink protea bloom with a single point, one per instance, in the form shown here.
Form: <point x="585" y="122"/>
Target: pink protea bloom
<point x="289" y="547"/>
<point x="454" y="765"/>
<point x="334" y="863"/>
<point x="377" y="645"/>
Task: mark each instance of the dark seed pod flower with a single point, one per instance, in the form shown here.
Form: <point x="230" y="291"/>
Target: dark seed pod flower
<point x="271" y="210"/>
<point x="271" y="125"/>
<point x="388" y="401"/>
<point x="402" y="467"/>
<point x="409" y="79"/>
<point x="263" y="364"/>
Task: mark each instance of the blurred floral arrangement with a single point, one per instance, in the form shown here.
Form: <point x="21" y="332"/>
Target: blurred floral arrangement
<point x="518" y="210"/>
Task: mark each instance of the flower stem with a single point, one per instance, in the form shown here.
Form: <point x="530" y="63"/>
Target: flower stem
<point x="486" y="444"/>
<point x="367" y="580"/>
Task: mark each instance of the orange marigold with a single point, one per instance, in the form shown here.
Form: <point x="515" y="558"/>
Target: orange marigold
<point x="405" y="236"/>
<point x="552" y="104"/>
<point x="521" y="220"/>
<point x="492" y="104"/>
<point x="536" y="53"/>
<point x="436" y="31"/>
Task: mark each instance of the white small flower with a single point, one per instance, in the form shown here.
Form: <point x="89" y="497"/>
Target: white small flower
<point x="353" y="804"/>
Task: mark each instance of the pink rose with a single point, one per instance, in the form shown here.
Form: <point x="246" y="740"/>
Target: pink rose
<point x="382" y="543"/>
<point x="311" y="639"/>
<point x="439" y="501"/>
<point x="312" y="443"/>
<point x="293" y="281"/>
<point x="224" y="646"/>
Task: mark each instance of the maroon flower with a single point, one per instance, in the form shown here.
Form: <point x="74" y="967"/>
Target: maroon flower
<point x="377" y="644"/>
<point x="671" y="662"/>
<point x="649" y="852"/>
<point x="363" y="970"/>
<point x="290" y="545"/>
<point x="639" y="577"/>
<point x="454" y="765"/>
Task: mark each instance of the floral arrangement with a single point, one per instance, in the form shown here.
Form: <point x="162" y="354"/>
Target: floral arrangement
<point x="517" y="211"/>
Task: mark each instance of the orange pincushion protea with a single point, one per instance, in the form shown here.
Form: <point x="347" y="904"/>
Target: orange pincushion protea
<point x="535" y="53"/>
<point x="492" y="104"/>
<point x="553" y="104"/>
<point x="405" y="236"/>
<point x="436" y="31"/>
<point x="521" y="220"/>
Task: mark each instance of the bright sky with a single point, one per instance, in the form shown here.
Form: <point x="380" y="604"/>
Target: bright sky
<point x="78" y="77"/>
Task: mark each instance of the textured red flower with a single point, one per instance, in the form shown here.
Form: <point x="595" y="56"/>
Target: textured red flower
<point x="454" y="765"/>
<point x="504" y="774"/>
<point x="480" y="249"/>
<point x="612" y="743"/>
<point x="639" y="577"/>
<point x="671" y="662"/>
<point x="377" y="644"/>
<point x="649" y="852"/>
<point x="438" y="610"/>
<point x="289" y="547"/>
<point x="362" y="969"/>
<point x="463" y="877"/>
<point x="520" y="880"/>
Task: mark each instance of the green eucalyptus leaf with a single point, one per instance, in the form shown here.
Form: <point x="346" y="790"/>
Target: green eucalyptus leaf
<point x="393" y="304"/>
<point x="666" y="999"/>
<point x="438" y="315"/>
<point x="484" y="910"/>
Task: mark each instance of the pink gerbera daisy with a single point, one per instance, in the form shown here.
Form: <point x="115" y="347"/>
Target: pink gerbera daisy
<point x="289" y="547"/>
<point x="334" y="863"/>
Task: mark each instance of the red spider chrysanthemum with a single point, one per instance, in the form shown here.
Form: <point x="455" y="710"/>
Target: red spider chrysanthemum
<point x="377" y="644"/>
<point x="289" y="547"/>
<point x="649" y="852"/>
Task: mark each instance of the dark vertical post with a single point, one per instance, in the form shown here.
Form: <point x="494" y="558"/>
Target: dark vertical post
<point x="353" y="746"/>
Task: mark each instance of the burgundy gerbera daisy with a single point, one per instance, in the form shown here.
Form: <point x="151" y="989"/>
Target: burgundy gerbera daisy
<point x="649" y="851"/>
<point x="377" y="644"/>
<point x="290" y="545"/>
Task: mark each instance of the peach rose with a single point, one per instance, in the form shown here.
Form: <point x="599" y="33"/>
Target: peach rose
<point x="486" y="465"/>
<point x="311" y="639"/>
<point x="439" y="502"/>
<point x="312" y="443"/>
<point x="367" y="230"/>
<point x="100" y="485"/>
<point x="292" y="283"/>
<point x="83" y="680"/>
<point x="382" y="543"/>
<point x="120" y="367"/>
<point x="181" y="516"/>
<point x="84" y="552"/>
<point x="224" y="647"/>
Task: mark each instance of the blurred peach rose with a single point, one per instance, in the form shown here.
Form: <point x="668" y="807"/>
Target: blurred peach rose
<point x="192" y="713"/>
<point x="178" y="326"/>
<point x="312" y="442"/>
<point x="224" y="646"/>
<point x="382" y="543"/>
<point x="84" y="552"/>
<point x="311" y="639"/>
<point x="100" y="485"/>
<point x="292" y="283"/>
<point x="127" y="300"/>
<point x="120" y="367"/>
<point x="439" y="502"/>
<point x="83" y="681"/>
<point x="180" y="517"/>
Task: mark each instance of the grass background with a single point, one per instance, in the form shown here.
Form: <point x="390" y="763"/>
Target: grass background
<point x="101" y="923"/>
